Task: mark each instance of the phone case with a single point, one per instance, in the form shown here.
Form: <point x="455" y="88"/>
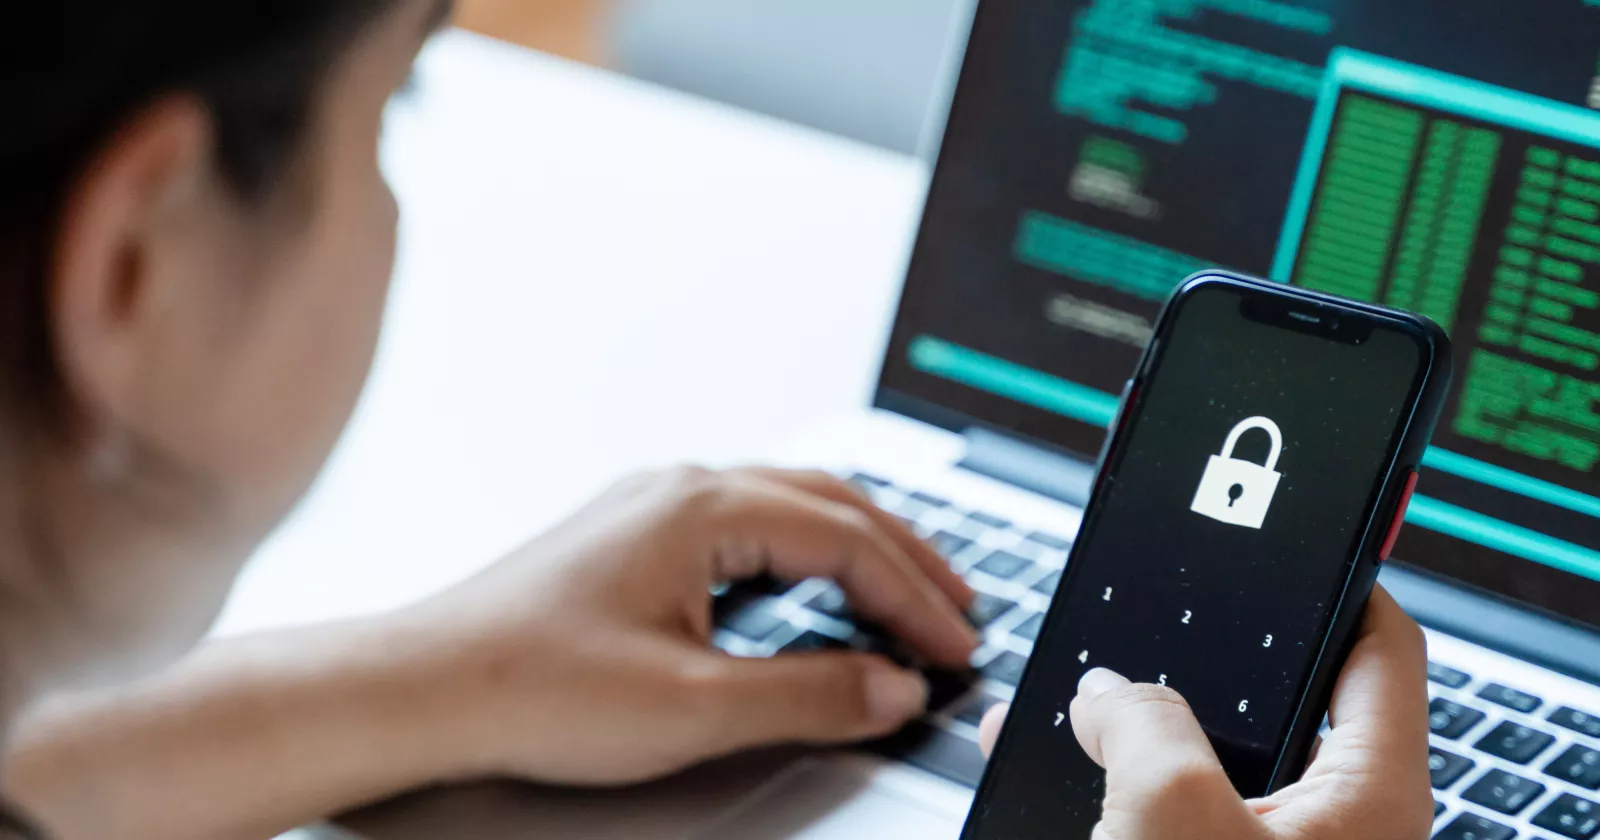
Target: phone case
<point x="1407" y="454"/>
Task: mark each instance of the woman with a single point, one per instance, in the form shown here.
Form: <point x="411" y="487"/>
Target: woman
<point x="195" y="244"/>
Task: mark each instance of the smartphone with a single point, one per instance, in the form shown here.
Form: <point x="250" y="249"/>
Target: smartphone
<point x="1249" y="492"/>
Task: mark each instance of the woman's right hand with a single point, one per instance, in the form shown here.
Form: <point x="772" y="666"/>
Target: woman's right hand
<point x="1369" y="778"/>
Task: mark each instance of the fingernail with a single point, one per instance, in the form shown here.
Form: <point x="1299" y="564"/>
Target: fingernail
<point x="1098" y="682"/>
<point x="895" y="696"/>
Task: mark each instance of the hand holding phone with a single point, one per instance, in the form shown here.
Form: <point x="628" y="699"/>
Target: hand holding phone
<point x="1369" y="778"/>
<point x="1249" y="493"/>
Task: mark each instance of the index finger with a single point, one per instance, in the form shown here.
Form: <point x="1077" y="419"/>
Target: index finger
<point x="800" y="535"/>
<point x="929" y="561"/>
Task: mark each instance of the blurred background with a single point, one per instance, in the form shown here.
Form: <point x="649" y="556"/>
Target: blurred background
<point x="870" y="70"/>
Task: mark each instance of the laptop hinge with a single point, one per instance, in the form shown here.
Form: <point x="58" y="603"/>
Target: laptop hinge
<point x="1028" y="466"/>
<point x="1495" y="624"/>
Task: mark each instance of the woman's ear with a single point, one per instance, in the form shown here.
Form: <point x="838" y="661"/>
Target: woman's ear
<point x="126" y="230"/>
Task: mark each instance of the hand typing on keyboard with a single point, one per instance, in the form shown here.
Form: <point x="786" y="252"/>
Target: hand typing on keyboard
<point x="586" y="658"/>
<point x="1369" y="778"/>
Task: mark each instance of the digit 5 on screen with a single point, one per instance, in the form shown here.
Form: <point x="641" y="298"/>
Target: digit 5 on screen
<point x="1251" y="488"/>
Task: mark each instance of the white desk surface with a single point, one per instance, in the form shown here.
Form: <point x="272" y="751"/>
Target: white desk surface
<point x="595" y="276"/>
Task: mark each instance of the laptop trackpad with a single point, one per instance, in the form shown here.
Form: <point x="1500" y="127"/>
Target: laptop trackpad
<point x="823" y="799"/>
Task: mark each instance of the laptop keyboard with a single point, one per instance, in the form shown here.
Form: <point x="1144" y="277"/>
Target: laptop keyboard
<point x="1015" y="573"/>
<point x="1505" y="763"/>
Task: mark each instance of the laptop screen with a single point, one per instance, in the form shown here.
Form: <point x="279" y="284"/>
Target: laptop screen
<point x="1439" y="157"/>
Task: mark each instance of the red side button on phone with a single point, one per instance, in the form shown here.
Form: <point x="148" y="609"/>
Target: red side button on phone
<point x="1399" y="517"/>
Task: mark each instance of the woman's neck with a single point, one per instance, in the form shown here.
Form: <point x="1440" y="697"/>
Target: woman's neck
<point x="31" y="572"/>
<point x="14" y="609"/>
<point x="16" y="632"/>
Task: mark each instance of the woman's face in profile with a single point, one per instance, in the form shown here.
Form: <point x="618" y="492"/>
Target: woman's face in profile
<point x="256" y="328"/>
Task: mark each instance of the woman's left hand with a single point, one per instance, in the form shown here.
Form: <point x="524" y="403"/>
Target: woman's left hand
<point x="585" y="658"/>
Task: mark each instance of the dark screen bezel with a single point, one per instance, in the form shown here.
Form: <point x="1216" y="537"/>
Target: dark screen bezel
<point x="905" y="390"/>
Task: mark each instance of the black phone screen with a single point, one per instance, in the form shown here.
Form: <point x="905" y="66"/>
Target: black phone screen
<point x="1214" y="572"/>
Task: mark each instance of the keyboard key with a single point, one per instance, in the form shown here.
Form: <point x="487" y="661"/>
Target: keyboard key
<point x="1510" y="698"/>
<point x="930" y="501"/>
<point x="725" y="601"/>
<point x="1049" y="584"/>
<point x="1447" y="768"/>
<point x="1438" y="808"/>
<point x="948" y="545"/>
<point x="1050" y="541"/>
<point x="732" y="597"/>
<point x="986" y="608"/>
<point x="909" y="512"/>
<point x="936" y="751"/>
<point x="1448" y="676"/>
<point x="865" y="480"/>
<point x="813" y="642"/>
<point x="1030" y="629"/>
<point x="989" y="521"/>
<point x="946" y="687"/>
<point x="755" y="587"/>
<point x="1451" y="720"/>
<point x="1004" y="565"/>
<point x="973" y="711"/>
<point x="1474" y="827"/>
<point x="831" y="602"/>
<point x="875" y="639"/>
<point x="1576" y="721"/>
<point x="1006" y="668"/>
<point x="1515" y="743"/>
<point x="754" y="621"/>
<point x="1579" y="765"/>
<point x="1570" y="816"/>
<point x="1504" y="792"/>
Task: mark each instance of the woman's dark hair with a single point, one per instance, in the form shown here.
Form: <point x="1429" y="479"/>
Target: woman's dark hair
<point x="74" y="71"/>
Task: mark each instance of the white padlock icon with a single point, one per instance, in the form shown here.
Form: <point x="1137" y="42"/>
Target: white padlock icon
<point x="1240" y="492"/>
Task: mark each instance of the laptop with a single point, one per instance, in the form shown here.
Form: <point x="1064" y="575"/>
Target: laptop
<point x="1442" y="158"/>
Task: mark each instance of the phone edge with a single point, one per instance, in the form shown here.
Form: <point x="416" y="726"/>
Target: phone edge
<point x="1346" y="619"/>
